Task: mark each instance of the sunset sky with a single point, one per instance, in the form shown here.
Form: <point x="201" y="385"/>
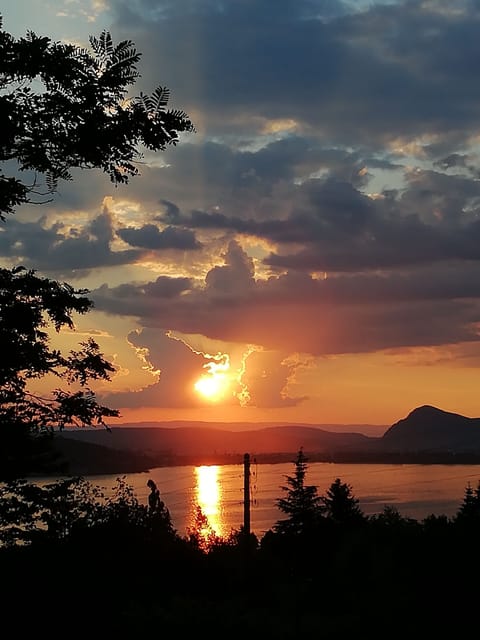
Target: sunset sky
<point x="312" y="252"/>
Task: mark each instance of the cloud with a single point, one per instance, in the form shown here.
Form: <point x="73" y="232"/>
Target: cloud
<point x="326" y="224"/>
<point x="396" y="69"/>
<point x="62" y="249"/>
<point x="150" y="237"/>
<point x="256" y="379"/>
<point x="300" y="313"/>
<point x="77" y="247"/>
<point x="269" y="377"/>
<point x="233" y="280"/>
<point x="179" y="368"/>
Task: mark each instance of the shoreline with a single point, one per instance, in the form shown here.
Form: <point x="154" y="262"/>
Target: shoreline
<point x="147" y="463"/>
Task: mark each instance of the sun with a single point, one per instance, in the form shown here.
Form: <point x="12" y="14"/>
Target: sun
<point x="217" y="380"/>
<point x="211" y="387"/>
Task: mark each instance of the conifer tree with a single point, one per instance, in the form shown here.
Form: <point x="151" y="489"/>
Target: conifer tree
<point x="301" y="504"/>
<point x="469" y="510"/>
<point x="341" y="505"/>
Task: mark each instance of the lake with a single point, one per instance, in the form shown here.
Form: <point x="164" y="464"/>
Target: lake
<point x="415" y="490"/>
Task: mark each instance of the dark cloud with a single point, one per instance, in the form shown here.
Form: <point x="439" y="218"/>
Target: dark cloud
<point x="70" y="251"/>
<point x="151" y="237"/>
<point x="235" y="279"/>
<point x="396" y="69"/>
<point x="165" y="287"/>
<point x="329" y="225"/>
<point x="297" y="313"/>
<point x="73" y="251"/>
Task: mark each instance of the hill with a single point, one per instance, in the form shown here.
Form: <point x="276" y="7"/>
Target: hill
<point x="374" y="430"/>
<point x="426" y="435"/>
<point x="208" y="441"/>
<point x="428" y="428"/>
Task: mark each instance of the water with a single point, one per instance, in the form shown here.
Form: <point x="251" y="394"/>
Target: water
<point x="415" y="490"/>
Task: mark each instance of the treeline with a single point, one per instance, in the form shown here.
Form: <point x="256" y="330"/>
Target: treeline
<point x="71" y="556"/>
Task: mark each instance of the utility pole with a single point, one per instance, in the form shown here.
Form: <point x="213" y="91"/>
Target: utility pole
<point x="246" y="495"/>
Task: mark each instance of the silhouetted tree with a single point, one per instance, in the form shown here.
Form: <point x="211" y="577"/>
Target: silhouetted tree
<point x="61" y="107"/>
<point x="201" y="534"/>
<point x="29" y="304"/>
<point x="302" y="504"/>
<point x="469" y="510"/>
<point x="341" y="505"/>
<point x="68" y="509"/>
<point x="30" y="513"/>
<point x="391" y="518"/>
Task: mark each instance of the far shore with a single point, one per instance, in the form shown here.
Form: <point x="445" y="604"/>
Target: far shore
<point x="172" y="460"/>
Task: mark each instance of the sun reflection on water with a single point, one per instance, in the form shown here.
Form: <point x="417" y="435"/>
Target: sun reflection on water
<point x="208" y="495"/>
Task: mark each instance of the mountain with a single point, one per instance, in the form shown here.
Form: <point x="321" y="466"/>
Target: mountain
<point x="425" y="435"/>
<point x="204" y="441"/>
<point x="375" y="430"/>
<point x="427" y="428"/>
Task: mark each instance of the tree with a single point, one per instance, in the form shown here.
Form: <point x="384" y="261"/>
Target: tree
<point x="28" y="418"/>
<point x="70" y="508"/>
<point x="391" y="518"/>
<point x="201" y="534"/>
<point x="469" y="510"/>
<point x="301" y="504"/>
<point x="61" y="107"/>
<point x="341" y="505"/>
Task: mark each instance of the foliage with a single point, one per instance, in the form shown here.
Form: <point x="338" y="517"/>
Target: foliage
<point x="61" y="107"/>
<point x="391" y="518"/>
<point x="31" y="512"/>
<point x="301" y="503"/>
<point x="469" y="510"/>
<point x="67" y="509"/>
<point x="64" y="107"/>
<point x="29" y="304"/>
<point x="141" y="578"/>
<point x="201" y="534"/>
<point x="341" y="505"/>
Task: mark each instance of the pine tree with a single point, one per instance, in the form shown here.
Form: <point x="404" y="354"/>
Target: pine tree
<point x="341" y="505"/>
<point x="469" y="510"/>
<point x="302" y="504"/>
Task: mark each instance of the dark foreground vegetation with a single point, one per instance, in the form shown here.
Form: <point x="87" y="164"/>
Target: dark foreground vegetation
<point x="73" y="561"/>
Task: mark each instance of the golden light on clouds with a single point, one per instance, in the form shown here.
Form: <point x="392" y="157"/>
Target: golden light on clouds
<point x="279" y="125"/>
<point x="215" y="384"/>
<point x="221" y="377"/>
<point x="222" y="381"/>
<point x="89" y="10"/>
<point x="413" y="147"/>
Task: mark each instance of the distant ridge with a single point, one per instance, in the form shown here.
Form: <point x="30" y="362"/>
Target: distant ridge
<point x="427" y="435"/>
<point x="375" y="430"/>
<point x="206" y="441"/>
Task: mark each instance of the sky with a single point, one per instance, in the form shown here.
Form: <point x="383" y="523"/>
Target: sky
<point x="311" y="253"/>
